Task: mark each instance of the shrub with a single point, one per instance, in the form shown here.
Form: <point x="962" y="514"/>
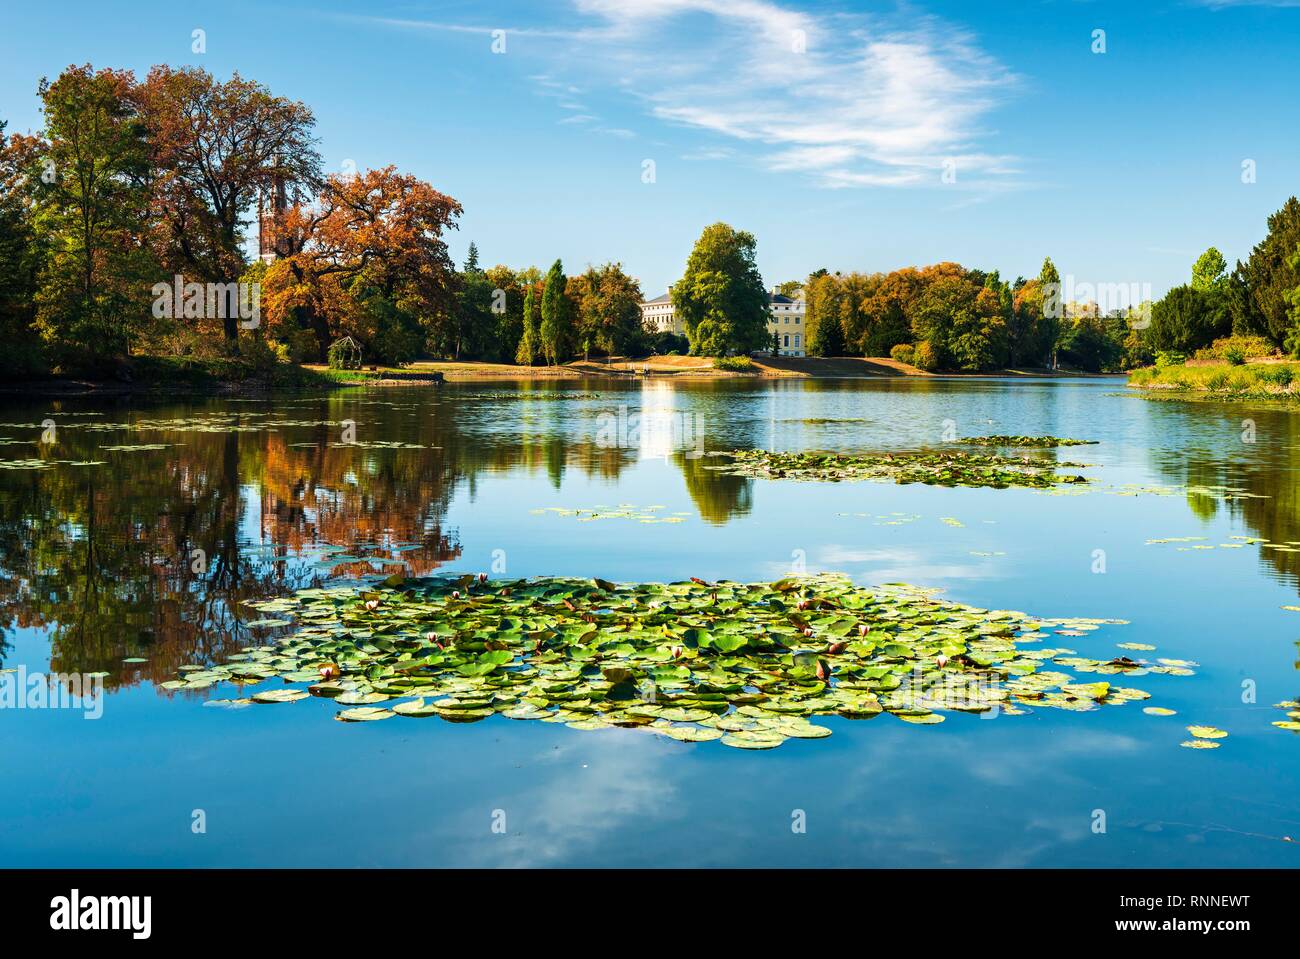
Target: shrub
<point x="1218" y="380"/>
<point x="1166" y="358"/>
<point x="926" y="356"/>
<point x="1234" y="356"/>
<point x="1280" y="376"/>
<point x="1247" y="346"/>
<point x="669" y="344"/>
<point x="734" y="364"/>
<point x="903" y="353"/>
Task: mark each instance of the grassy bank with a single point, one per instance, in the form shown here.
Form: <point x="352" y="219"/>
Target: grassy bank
<point x="177" y="374"/>
<point x="1244" y="381"/>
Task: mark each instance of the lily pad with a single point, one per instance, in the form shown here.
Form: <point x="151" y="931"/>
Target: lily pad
<point x="746" y="664"/>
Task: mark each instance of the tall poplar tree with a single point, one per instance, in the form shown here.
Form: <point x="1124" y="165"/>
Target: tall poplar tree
<point x="556" y="327"/>
<point x="526" y="354"/>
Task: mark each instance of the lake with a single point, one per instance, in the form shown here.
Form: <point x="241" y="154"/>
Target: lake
<point x="131" y="556"/>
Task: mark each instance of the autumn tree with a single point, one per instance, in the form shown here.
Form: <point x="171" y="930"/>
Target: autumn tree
<point x="216" y="148"/>
<point x="721" y="298"/>
<point x="374" y="234"/>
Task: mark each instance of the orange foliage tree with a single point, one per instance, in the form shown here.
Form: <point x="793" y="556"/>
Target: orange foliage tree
<point x="367" y="259"/>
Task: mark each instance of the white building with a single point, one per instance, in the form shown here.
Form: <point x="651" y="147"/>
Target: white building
<point x="785" y="321"/>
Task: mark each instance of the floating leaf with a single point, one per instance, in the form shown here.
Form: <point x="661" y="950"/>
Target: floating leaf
<point x="364" y="714"/>
<point x="279" y="696"/>
<point x="748" y="664"/>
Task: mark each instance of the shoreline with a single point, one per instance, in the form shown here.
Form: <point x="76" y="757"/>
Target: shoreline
<point x="429" y="373"/>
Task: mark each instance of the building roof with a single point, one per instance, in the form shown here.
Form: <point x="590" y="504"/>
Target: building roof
<point x="771" y="298"/>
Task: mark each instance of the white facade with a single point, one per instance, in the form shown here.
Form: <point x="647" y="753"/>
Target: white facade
<point x="785" y="321"/>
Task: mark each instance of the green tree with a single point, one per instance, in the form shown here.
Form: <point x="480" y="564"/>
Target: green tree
<point x="527" y="351"/>
<point x="1293" y="297"/>
<point x="92" y="205"/>
<point x="556" y="329"/>
<point x="1051" y="312"/>
<point x="475" y="323"/>
<point x="822" y="322"/>
<point x="22" y="254"/>
<point x="1208" y="271"/>
<point x="508" y="309"/>
<point x="611" y="310"/>
<point x="721" y="298"/>
<point x="1187" y="319"/>
<point x="1271" y="278"/>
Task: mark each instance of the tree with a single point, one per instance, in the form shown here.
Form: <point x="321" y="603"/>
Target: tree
<point x="1293" y="297"/>
<point x="1052" y="311"/>
<point x="790" y="288"/>
<point x="508" y="309"/>
<point x="91" y="206"/>
<point x="375" y="233"/>
<point x="527" y="351"/>
<point x="1270" y="277"/>
<point x="822" y="323"/>
<point x="22" y="253"/>
<point x="473" y="321"/>
<point x="885" y="310"/>
<point x="555" y="334"/>
<point x="721" y="298"/>
<point x="217" y="147"/>
<point x="1187" y="319"/>
<point x="609" y="310"/>
<point x="1208" y="271"/>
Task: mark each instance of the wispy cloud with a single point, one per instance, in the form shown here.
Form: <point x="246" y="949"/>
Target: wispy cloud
<point x="845" y="99"/>
<point x="848" y="100"/>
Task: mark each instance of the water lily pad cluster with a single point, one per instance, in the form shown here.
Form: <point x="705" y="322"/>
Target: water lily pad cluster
<point x="1292" y="721"/>
<point x="748" y="664"/>
<point x="1032" y="442"/>
<point x="642" y="514"/>
<point x="933" y="467"/>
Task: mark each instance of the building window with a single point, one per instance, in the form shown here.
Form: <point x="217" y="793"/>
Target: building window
<point x="796" y="341"/>
<point x="787" y="340"/>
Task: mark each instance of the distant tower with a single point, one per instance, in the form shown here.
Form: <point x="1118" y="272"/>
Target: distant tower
<point x="268" y="212"/>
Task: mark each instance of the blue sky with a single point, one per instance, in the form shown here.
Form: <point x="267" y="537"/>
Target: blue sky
<point x="821" y="127"/>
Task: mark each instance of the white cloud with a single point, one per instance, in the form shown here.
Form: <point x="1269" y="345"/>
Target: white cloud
<point x="849" y="100"/>
<point x="844" y="99"/>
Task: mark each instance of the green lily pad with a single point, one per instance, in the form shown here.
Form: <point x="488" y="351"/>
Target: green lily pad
<point x="746" y="664"/>
<point x="279" y="696"/>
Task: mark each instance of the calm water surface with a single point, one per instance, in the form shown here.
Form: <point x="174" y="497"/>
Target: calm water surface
<point x="95" y="569"/>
